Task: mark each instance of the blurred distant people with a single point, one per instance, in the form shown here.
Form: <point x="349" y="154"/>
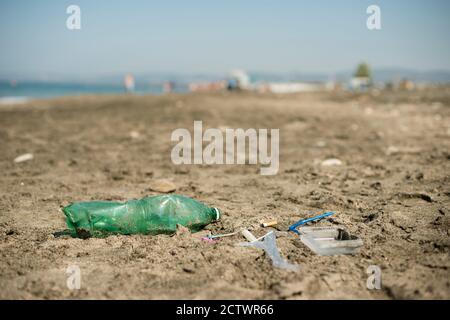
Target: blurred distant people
<point x="207" y="86"/>
<point x="128" y="83"/>
<point x="168" y="87"/>
<point x="242" y="79"/>
<point x="232" y="85"/>
<point x="406" y="85"/>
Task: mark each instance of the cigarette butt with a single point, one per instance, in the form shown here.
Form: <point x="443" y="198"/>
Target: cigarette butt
<point x="270" y="223"/>
<point x="248" y="235"/>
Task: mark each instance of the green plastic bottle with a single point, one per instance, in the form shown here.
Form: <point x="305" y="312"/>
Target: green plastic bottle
<point x="150" y="215"/>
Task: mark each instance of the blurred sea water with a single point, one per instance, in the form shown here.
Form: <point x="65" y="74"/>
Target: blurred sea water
<point x="23" y="91"/>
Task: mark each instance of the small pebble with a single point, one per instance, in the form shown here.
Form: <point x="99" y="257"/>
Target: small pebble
<point x="331" y="162"/>
<point x="163" y="186"/>
<point x="24" y="157"/>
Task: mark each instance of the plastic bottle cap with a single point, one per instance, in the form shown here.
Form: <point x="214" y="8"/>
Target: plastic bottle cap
<point x="217" y="213"/>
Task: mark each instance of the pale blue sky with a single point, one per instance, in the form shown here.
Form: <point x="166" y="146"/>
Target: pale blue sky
<point x="216" y="36"/>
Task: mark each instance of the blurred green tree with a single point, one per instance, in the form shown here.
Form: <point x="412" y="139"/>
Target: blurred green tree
<point x="363" y="71"/>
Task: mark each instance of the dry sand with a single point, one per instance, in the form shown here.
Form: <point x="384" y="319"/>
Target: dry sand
<point x="392" y="190"/>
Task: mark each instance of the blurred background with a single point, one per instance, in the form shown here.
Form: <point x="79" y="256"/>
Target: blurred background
<point x="164" y="46"/>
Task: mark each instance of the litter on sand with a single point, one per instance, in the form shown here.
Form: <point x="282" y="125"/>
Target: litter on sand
<point x="293" y="227"/>
<point x="150" y="215"/>
<point x="326" y="241"/>
<point x="171" y="213"/>
<point x="223" y="235"/>
<point x="269" y="223"/>
<point x="208" y="239"/>
<point x="260" y="238"/>
<point x="248" y="235"/>
<point x="269" y="245"/>
<point x="214" y="236"/>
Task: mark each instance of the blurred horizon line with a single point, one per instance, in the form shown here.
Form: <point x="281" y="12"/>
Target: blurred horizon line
<point x="381" y="74"/>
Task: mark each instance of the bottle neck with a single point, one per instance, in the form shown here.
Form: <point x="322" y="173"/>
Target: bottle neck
<point x="216" y="213"/>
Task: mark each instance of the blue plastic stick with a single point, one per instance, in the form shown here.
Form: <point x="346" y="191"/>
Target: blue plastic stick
<point x="301" y="222"/>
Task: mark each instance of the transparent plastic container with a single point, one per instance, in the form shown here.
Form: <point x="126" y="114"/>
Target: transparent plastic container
<point x="326" y="241"/>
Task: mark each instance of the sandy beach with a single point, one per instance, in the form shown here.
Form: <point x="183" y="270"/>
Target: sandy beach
<point x="392" y="190"/>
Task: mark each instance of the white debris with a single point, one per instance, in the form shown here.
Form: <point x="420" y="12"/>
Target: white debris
<point x="331" y="162"/>
<point x="368" y="111"/>
<point x="134" y="134"/>
<point x="321" y="144"/>
<point x="248" y="235"/>
<point x="392" y="150"/>
<point x="24" y="157"/>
